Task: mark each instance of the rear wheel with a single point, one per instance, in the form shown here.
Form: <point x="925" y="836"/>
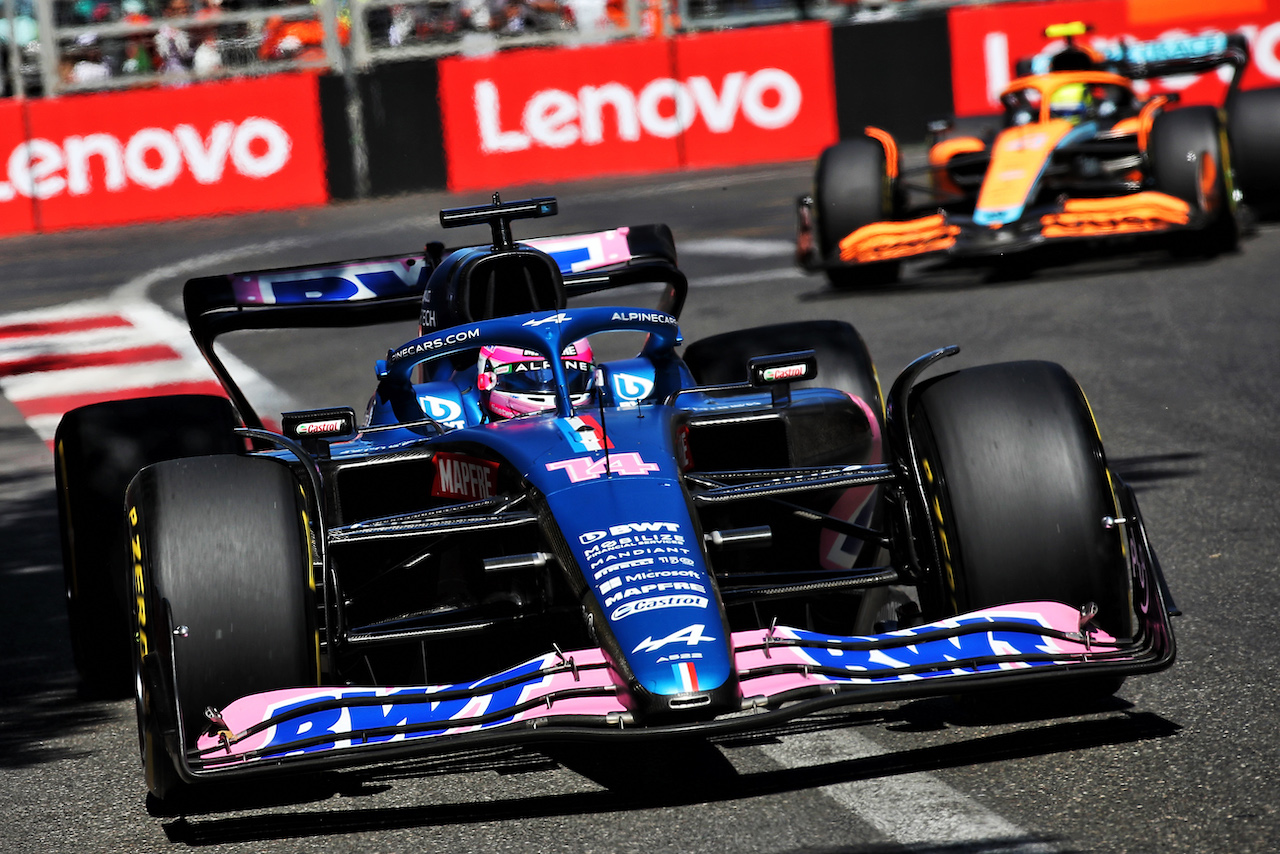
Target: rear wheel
<point x="852" y="188"/>
<point x="833" y="436"/>
<point x="225" y="596"/>
<point x="1254" y="128"/>
<point x="844" y="362"/>
<point x="1190" y="159"/>
<point x="98" y="450"/>
<point x="1016" y="480"/>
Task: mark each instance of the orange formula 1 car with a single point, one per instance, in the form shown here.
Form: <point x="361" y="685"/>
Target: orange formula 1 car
<point x="1080" y="155"/>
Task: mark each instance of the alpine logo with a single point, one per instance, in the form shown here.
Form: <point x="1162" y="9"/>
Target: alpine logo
<point x="689" y="635"/>
<point x="560" y="317"/>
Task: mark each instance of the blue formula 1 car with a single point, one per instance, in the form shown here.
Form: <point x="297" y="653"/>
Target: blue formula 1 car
<point x="551" y="524"/>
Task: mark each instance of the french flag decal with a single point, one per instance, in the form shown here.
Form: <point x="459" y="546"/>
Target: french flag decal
<point x="687" y="676"/>
<point x="584" y="433"/>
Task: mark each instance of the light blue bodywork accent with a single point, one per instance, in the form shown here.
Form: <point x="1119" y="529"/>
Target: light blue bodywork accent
<point x="1004" y="216"/>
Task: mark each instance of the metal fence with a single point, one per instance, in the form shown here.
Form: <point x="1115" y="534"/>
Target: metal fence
<point x="52" y="47"/>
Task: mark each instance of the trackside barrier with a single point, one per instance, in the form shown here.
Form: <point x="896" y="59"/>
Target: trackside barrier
<point x="629" y="106"/>
<point x="153" y="155"/>
<point x="709" y="99"/>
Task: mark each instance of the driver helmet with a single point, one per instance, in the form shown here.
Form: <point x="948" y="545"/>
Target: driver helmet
<point x="514" y="381"/>
<point x="1071" y="101"/>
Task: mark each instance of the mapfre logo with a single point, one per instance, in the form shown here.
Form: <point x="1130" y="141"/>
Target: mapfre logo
<point x="769" y="98"/>
<point x="152" y="158"/>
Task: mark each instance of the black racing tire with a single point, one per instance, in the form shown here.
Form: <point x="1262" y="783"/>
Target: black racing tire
<point x="852" y="188"/>
<point x="1253" y="126"/>
<point x="225" y="596"/>
<point x="97" y="451"/>
<point x="844" y="362"/>
<point x="1016" y="481"/>
<point x="1179" y="143"/>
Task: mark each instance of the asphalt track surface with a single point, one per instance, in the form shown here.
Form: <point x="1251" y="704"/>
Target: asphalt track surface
<point x="1180" y="360"/>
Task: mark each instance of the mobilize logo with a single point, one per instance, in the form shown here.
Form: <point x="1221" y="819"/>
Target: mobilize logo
<point x="769" y="98"/>
<point x="153" y="158"/>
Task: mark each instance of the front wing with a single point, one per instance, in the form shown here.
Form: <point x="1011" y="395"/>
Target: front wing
<point x="1072" y="219"/>
<point x="783" y="673"/>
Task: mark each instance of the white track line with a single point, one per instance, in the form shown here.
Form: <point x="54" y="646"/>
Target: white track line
<point x="915" y="809"/>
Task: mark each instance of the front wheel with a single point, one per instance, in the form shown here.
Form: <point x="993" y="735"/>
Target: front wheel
<point x="1017" y="486"/>
<point x="224" y="596"/>
<point x="1191" y="160"/>
<point x="852" y="187"/>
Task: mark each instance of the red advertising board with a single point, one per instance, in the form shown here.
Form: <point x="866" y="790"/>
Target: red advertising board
<point x="16" y="215"/>
<point x="714" y="99"/>
<point x="987" y="41"/>
<point x="158" y="154"/>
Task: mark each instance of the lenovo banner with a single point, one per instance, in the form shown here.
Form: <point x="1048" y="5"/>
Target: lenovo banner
<point x="713" y="99"/>
<point x="158" y="154"/>
<point x="988" y="41"/>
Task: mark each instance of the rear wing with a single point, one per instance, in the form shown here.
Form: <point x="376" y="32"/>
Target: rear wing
<point x="389" y="288"/>
<point x="1164" y="57"/>
<point x="1200" y="54"/>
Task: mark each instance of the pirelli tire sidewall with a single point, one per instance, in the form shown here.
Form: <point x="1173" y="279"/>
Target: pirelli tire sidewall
<point x="1191" y="159"/>
<point x="223" y="596"/>
<point x="1017" y="488"/>
<point x="851" y="188"/>
<point x="152" y="651"/>
<point x="1253" y="125"/>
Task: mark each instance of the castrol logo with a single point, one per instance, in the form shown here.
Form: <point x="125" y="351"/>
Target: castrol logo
<point x="769" y="98"/>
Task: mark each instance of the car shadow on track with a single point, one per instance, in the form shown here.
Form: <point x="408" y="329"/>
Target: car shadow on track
<point x="689" y="775"/>
<point x="1149" y="471"/>
<point x="39" y="703"/>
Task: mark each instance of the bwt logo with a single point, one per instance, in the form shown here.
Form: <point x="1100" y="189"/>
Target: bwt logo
<point x="553" y="118"/>
<point x="630" y="528"/>
<point x="153" y="158"/>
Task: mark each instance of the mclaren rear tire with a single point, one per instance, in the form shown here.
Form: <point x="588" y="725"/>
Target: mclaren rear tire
<point x="224" y="598"/>
<point x="852" y="188"/>
<point x="1253" y="126"/>
<point x="1191" y="160"/>
<point x="97" y="451"/>
<point x="1016" y="482"/>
